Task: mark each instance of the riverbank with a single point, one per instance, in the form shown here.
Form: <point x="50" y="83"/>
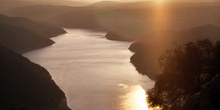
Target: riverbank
<point x="25" y="85"/>
<point x="95" y="73"/>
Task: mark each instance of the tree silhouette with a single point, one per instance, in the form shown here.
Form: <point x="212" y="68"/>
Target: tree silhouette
<point x="186" y="71"/>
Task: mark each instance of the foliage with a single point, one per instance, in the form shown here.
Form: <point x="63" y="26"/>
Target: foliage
<point x="186" y="69"/>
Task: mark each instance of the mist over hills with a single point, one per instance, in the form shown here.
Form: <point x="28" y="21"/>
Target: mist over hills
<point x="136" y="18"/>
<point x="6" y="5"/>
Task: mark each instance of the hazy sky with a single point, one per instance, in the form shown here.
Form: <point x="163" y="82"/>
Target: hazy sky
<point x="92" y="1"/>
<point x="137" y="0"/>
<point x="106" y="0"/>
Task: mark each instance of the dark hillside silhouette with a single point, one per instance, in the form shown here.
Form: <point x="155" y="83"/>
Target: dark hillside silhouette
<point x="148" y="50"/>
<point x="189" y="78"/>
<point x="40" y="28"/>
<point x="22" y="35"/>
<point x="114" y="36"/>
<point x="27" y="86"/>
<point x="20" y="39"/>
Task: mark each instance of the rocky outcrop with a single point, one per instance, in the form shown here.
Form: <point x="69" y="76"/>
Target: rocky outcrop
<point x="27" y="86"/>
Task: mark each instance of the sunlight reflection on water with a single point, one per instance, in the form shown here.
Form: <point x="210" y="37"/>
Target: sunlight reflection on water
<point x="94" y="73"/>
<point x="135" y="99"/>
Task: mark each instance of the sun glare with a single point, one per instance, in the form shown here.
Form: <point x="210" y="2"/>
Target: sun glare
<point x="160" y="1"/>
<point x="160" y="15"/>
<point x="135" y="99"/>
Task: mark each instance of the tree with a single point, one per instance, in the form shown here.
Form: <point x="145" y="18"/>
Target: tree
<point x="186" y="70"/>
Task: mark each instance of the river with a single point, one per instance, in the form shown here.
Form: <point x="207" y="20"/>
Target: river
<point x="95" y="73"/>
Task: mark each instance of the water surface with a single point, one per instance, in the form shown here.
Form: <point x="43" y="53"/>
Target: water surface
<point x="94" y="73"/>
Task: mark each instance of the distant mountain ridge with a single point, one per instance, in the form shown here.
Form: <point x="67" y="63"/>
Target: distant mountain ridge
<point x="131" y="17"/>
<point x="10" y="4"/>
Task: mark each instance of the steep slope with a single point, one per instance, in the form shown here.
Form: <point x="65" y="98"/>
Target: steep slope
<point x="148" y="50"/>
<point x="28" y="86"/>
<point x="40" y="28"/>
<point x="20" y="39"/>
<point x="21" y="34"/>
